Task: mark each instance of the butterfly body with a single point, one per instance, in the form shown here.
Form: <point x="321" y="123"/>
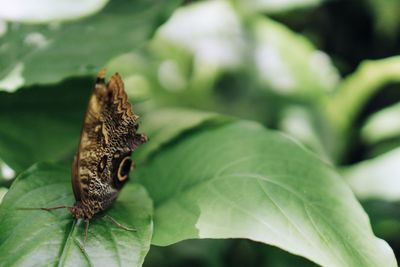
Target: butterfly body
<point x="103" y="161"/>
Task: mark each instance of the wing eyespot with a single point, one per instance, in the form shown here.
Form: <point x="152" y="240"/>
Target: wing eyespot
<point x="124" y="169"/>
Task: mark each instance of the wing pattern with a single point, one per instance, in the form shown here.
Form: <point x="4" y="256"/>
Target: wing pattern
<point x="108" y="137"/>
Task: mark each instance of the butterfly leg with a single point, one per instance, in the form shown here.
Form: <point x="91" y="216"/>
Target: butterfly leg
<point x="47" y="209"/>
<point x="86" y="231"/>
<point x="79" y="243"/>
<point x="118" y="224"/>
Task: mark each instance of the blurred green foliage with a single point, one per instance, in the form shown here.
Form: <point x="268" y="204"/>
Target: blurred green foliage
<point x="323" y="72"/>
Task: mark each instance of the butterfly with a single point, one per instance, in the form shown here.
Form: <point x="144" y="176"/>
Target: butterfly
<point x="103" y="161"/>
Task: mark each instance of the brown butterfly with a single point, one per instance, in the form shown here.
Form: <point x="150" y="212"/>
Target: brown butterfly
<point x="103" y="161"/>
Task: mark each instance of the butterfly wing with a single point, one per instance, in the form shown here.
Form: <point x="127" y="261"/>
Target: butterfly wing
<point x="102" y="163"/>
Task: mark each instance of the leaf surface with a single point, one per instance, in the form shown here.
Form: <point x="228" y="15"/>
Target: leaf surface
<point x="167" y="124"/>
<point x="43" y="54"/>
<point x="41" y="238"/>
<point x="240" y="180"/>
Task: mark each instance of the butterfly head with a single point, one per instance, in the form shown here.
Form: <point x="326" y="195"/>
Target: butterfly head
<point x="82" y="210"/>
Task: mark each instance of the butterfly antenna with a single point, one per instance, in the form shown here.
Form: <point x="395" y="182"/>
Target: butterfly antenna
<point x="119" y="224"/>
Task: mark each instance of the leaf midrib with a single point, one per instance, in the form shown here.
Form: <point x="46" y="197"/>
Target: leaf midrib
<point x="65" y="246"/>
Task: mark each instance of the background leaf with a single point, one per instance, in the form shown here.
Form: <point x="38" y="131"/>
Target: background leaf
<point x="37" y="54"/>
<point x="358" y="88"/>
<point x="385" y="219"/>
<point x="42" y="122"/>
<point x="271" y="7"/>
<point x="52" y="238"/>
<point x="348" y="106"/>
<point x="382" y="125"/>
<point x="387" y="21"/>
<point x="295" y="70"/>
<point x="34" y="11"/>
<point x="377" y="178"/>
<point x="222" y="253"/>
<point x="242" y="181"/>
<point x="3" y="192"/>
<point x="283" y="61"/>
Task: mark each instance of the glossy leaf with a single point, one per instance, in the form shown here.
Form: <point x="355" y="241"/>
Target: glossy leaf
<point x="243" y="181"/>
<point x="49" y="53"/>
<point x="41" y="238"/>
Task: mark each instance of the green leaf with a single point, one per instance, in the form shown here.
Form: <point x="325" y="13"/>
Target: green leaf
<point x="243" y="181"/>
<point x="386" y="18"/>
<point x="382" y="125"/>
<point x="213" y="253"/>
<point x="376" y="178"/>
<point x="308" y="128"/>
<point x="3" y="192"/>
<point x="385" y="218"/>
<point x="42" y="123"/>
<point x="215" y="45"/>
<point x="167" y="124"/>
<point x="49" y="53"/>
<point x="47" y="10"/>
<point x="40" y="238"/>
<point x="288" y="63"/>
<point x="134" y="67"/>
<point x="273" y="7"/>
<point x="6" y="174"/>
<point x="283" y="61"/>
<point x="358" y="88"/>
<point x="209" y="252"/>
